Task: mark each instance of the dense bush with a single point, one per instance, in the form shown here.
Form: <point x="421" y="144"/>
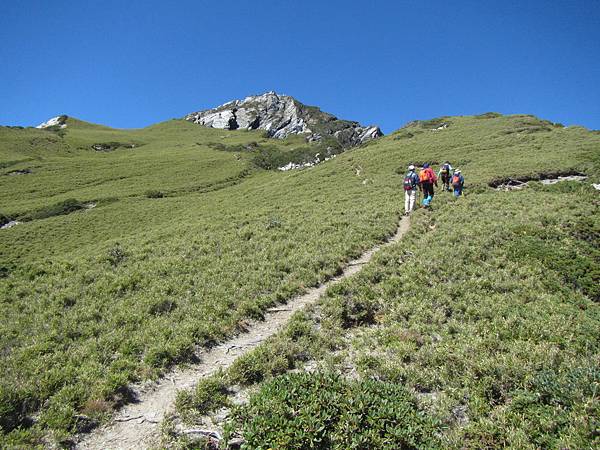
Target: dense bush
<point x="324" y="411"/>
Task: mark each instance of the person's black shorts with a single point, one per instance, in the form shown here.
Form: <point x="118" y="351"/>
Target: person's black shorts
<point x="428" y="189"/>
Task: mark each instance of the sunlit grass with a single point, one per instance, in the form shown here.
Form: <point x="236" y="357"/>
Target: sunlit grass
<point x="97" y="298"/>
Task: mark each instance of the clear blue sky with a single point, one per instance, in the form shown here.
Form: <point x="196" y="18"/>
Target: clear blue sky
<point x="133" y="63"/>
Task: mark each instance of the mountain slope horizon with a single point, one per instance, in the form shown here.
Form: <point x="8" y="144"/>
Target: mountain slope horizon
<point x="278" y="115"/>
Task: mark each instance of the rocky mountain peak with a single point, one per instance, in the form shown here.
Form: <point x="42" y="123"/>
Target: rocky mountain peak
<point x="282" y="115"/>
<point x="58" y="121"/>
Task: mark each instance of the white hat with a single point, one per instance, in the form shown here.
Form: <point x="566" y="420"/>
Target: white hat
<point x="457" y="171"/>
<point x="411" y="167"/>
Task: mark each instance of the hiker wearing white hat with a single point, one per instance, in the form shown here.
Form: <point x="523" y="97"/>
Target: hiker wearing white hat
<point x="445" y="173"/>
<point x="411" y="183"/>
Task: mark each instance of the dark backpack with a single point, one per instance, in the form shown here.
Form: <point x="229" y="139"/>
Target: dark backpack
<point x="409" y="182"/>
<point x="446" y="169"/>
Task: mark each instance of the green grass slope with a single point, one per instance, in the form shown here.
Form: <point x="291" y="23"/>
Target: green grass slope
<point x="64" y="164"/>
<point x="190" y="237"/>
<point x="482" y="326"/>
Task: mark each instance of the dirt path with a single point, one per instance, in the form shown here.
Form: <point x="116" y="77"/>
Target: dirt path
<point x="136" y="426"/>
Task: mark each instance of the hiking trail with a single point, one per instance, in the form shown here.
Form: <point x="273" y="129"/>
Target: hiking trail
<point x="137" y="425"/>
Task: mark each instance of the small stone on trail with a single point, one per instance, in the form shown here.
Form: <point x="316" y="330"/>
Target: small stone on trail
<point x="460" y="414"/>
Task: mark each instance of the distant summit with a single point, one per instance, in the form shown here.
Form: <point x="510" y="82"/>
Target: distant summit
<point x="58" y="121"/>
<point x="282" y="115"/>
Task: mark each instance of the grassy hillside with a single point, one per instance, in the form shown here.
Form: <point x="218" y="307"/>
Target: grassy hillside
<point x="482" y="326"/>
<point x="479" y="330"/>
<point x="190" y="237"/>
<point x="164" y="157"/>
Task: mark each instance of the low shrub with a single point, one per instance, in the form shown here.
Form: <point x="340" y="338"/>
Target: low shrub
<point x="161" y="307"/>
<point x="65" y="207"/>
<point x="4" y="219"/>
<point x="12" y="409"/>
<point x="116" y="255"/>
<point x="236" y="148"/>
<point x="350" y="308"/>
<point x="266" y="361"/>
<point x="112" y="146"/>
<point x="404" y="135"/>
<point x="489" y="115"/>
<point x="272" y="157"/>
<point x="209" y="395"/>
<point x="154" y="194"/>
<point x="434" y="123"/>
<point x="323" y="411"/>
<point x="577" y="265"/>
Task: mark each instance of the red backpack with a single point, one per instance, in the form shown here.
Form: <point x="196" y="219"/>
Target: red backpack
<point x="409" y="182"/>
<point x="456" y="181"/>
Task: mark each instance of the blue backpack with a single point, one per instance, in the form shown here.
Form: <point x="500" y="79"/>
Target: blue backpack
<point x="409" y="181"/>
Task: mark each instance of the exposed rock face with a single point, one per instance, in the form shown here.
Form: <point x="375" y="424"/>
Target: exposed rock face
<point x="10" y="224"/>
<point x="282" y="115"/>
<point x="58" y="121"/>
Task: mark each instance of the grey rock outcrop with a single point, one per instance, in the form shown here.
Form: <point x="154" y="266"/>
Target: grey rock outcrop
<point x="58" y="121"/>
<point x="281" y="116"/>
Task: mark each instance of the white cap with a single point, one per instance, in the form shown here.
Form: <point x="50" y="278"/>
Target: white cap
<point x="457" y="171"/>
<point x="411" y="167"/>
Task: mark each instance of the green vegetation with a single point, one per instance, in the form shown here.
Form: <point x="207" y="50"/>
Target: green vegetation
<point x="154" y="194"/>
<point x="208" y="396"/>
<point x="326" y="411"/>
<point x="65" y="207"/>
<point x="99" y="298"/>
<point x="4" y="219"/>
<point x="496" y="344"/>
<point x="111" y="146"/>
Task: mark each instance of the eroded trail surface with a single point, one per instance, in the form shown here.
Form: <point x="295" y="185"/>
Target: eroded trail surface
<point x="136" y="426"/>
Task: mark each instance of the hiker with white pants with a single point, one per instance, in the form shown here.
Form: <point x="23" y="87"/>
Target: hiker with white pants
<point x="411" y="183"/>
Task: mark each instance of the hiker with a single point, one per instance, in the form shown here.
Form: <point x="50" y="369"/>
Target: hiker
<point x="445" y="173"/>
<point x="411" y="183"/>
<point x="427" y="179"/>
<point x="458" y="181"/>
